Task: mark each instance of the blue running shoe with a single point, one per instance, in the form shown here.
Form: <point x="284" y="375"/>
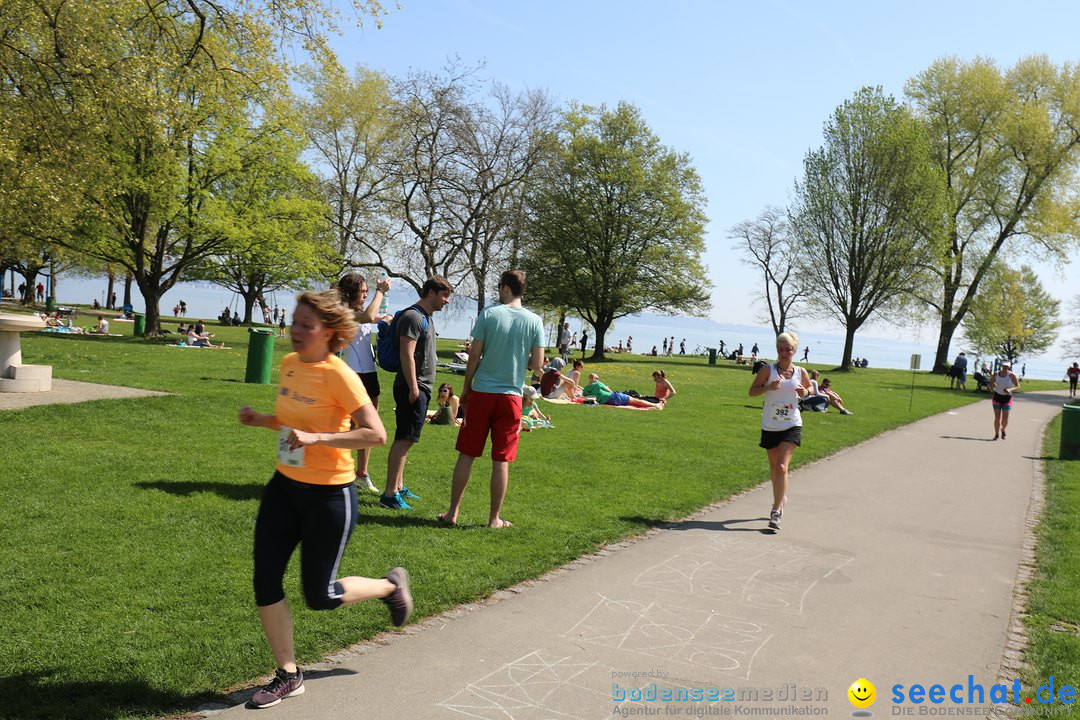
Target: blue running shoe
<point x="406" y="493"/>
<point x="394" y="502"/>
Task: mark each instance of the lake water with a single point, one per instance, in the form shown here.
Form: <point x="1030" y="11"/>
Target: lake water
<point x="206" y="301"/>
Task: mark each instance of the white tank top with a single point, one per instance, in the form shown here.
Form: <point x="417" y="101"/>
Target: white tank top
<point x="359" y="354"/>
<point x="1002" y="385"/>
<point x="781" y="411"/>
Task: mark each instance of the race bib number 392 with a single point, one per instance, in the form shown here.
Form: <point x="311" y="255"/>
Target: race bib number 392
<point x="292" y="458"/>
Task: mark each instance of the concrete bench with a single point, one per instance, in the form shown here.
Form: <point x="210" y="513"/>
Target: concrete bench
<point x="14" y="376"/>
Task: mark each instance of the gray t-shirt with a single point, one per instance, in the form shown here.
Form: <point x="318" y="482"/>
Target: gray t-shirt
<point x="410" y="324"/>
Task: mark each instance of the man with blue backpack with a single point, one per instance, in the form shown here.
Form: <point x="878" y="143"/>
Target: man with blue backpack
<point x="407" y="347"/>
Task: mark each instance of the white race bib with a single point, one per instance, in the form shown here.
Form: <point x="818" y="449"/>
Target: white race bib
<point x="292" y="458"/>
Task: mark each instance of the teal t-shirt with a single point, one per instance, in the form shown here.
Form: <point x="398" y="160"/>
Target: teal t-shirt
<point x="509" y="335"/>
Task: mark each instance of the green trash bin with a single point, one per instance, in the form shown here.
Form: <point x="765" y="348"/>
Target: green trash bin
<point x="140" y="324"/>
<point x="50" y="303"/>
<point x="260" y="356"/>
<point x="1070" y="433"/>
<point x="712" y="356"/>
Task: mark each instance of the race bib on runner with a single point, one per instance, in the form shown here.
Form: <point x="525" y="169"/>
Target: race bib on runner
<point x="292" y="458"/>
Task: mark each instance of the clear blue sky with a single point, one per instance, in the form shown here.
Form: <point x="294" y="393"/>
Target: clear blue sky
<point x="744" y="88"/>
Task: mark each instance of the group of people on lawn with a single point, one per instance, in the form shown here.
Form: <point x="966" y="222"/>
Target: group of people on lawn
<point x="328" y="405"/>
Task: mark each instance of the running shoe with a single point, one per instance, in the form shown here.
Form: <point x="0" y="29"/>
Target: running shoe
<point x="774" y="518"/>
<point x="400" y="601"/>
<point x="1003" y="433"/>
<point x="394" y="502"/>
<point x="364" y="481"/>
<point x="282" y="686"/>
<point x="408" y="494"/>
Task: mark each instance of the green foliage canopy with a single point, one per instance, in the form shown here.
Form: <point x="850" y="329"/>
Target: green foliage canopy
<point x="617" y="222"/>
<point x="1012" y="315"/>
<point x="859" y="210"/>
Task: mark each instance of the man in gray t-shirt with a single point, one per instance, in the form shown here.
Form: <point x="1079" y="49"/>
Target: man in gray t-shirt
<point x="412" y="386"/>
<point x="410" y="325"/>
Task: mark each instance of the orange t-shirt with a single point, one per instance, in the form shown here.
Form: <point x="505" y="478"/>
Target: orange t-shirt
<point x="319" y="397"/>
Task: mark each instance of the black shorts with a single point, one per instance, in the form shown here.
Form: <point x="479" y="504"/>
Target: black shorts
<point x="318" y="518"/>
<point x="410" y="416"/>
<point x="371" y="384"/>
<point x="772" y="438"/>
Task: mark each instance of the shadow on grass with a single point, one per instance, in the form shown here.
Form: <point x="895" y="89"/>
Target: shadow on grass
<point x="229" y="491"/>
<point x="715" y="525"/>
<point x="1051" y="459"/>
<point x="408" y="518"/>
<point x="37" y="696"/>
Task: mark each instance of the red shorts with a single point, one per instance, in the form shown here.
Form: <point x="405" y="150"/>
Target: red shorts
<point x="499" y="414"/>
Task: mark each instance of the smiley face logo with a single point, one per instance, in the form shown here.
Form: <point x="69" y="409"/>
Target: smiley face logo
<point x="862" y="693"/>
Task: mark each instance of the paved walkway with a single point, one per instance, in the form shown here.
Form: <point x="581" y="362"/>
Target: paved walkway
<point x="65" y="392"/>
<point x="897" y="563"/>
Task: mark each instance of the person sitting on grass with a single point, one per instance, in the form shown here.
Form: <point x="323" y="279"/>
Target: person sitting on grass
<point x="531" y="416"/>
<point x="554" y="385"/>
<point x="606" y="396"/>
<point x="102" y="327"/>
<point x="575" y="373"/>
<point x="834" y="398"/>
<point x="664" y="389"/>
<point x="196" y="340"/>
<point x="447" y="411"/>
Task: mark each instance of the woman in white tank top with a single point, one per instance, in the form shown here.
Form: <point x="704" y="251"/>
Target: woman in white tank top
<point x="782" y="384"/>
<point x="359" y="355"/>
<point x="1002" y="384"/>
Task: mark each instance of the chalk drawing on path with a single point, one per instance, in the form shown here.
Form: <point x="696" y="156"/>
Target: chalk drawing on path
<point x="529" y="688"/>
<point x="749" y="574"/>
<point x="699" y="638"/>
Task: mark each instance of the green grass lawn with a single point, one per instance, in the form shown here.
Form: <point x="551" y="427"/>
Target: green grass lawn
<point x="1053" y="619"/>
<point x="125" y="584"/>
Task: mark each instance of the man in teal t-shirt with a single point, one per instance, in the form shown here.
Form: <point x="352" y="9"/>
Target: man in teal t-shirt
<point x="506" y="341"/>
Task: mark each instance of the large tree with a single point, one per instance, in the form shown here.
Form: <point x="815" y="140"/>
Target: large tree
<point x="129" y="100"/>
<point x="348" y="121"/>
<point x="275" y="221"/>
<point x="859" y="210"/>
<point x="464" y="155"/>
<point x="500" y="143"/>
<point x="770" y="248"/>
<point x="1012" y="315"/>
<point x="617" y="222"/>
<point x="1007" y="145"/>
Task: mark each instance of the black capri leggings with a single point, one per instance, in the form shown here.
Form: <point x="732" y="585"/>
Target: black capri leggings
<point x="320" y="518"/>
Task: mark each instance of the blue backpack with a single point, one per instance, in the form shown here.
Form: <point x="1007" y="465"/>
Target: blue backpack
<point x="386" y="344"/>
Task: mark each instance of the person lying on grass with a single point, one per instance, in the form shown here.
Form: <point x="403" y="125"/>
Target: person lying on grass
<point x="606" y="396"/>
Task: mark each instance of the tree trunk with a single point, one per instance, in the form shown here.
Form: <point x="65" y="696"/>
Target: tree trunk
<point x="481" y="294"/>
<point x="600" y="330"/>
<point x="945" y="335"/>
<point x="152" y="297"/>
<point x="110" y="290"/>
<point x="849" y="343"/>
<point x="249" y="303"/>
<point x="127" y="294"/>
<point x="29" y="277"/>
